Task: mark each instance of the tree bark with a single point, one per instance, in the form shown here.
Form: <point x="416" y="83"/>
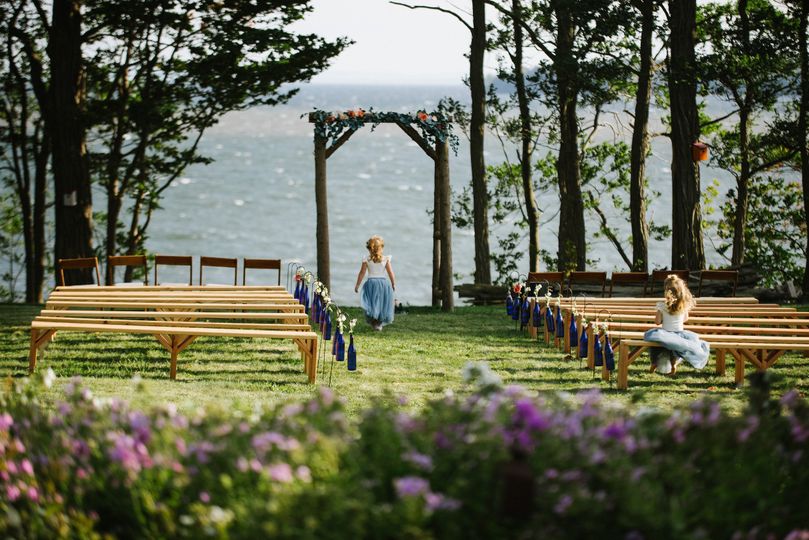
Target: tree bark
<point x="480" y="195"/>
<point x="640" y="142"/>
<point x="73" y="198"/>
<point x="526" y="136"/>
<point x="322" y="205"/>
<point x="802" y="114"/>
<point x="743" y="180"/>
<point x="687" y="250"/>
<point x="436" y="282"/>
<point x="42" y="158"/>
<point x="442" y="169"/>
<point x="572" y="253"/>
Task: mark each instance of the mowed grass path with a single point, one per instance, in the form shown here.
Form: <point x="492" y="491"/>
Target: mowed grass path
<point x="420" y="356"/>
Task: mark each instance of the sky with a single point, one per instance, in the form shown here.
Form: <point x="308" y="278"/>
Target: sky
<point x="393" y="44"/>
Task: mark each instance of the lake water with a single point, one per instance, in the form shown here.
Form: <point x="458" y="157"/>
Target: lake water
<point x="257" y="198"/>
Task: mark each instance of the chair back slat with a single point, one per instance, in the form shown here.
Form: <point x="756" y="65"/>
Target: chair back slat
<point x="550" y="277"/>
<point x="629" y="278"/>
<point x="127" y="260"/>
<point x="218" y="262"/>
<point x="729" y="276"/>
<point x="659" y="276"/>
<point x="260" y="264"/>
<point x="174" y="260"/>
<point x="83" y="263"/>
<point x="593" y="278"/>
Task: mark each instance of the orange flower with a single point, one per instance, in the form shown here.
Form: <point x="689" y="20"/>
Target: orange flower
<point x="422" y="116"/>
<point x="351" y="114"/>
<point x="330" y="119"/>
<point x="360" y="113"/>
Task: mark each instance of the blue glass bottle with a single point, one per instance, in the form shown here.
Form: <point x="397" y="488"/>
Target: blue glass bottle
<point x="549" y="317"/>
<point x="525" y="314"/>
<point x="573" y="330"/>
<point x="583" y="343"/>
<point x="599" y="356"/>
<point x="352" y="354"/>
<point x="341" y="348"/>
<point x="509" y="304"/>
<point x="560" y="323"/>
<point x="609" y="354"/>
<point x="316" y="309"/>
<point x="297" y="293"/>
<point x="305" y="299"/>
<point x="327" y="327"/>
<point x="537" y="319"/>
<point x="337" y="337"/>
<point x="516" y="309"/>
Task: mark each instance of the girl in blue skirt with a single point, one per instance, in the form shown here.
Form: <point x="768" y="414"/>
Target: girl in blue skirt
<point x="377" y="291"/>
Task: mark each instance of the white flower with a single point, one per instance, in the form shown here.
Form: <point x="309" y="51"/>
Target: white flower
<point x="480" y="374"/>
<point x="300" y="271"/>
<point x="48" y="378"/>
<point x="351" y="324"/>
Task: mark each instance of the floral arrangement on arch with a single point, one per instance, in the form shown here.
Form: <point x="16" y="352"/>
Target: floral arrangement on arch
<point x="434" y="126"/>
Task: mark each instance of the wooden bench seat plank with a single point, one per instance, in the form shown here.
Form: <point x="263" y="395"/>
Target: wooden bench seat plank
<point x="180" y="305"/>
<point x="175" y="330"/>
<point x="191" y="324"/>
<point x="236" y="315"/>
<point x="179" y="287"/>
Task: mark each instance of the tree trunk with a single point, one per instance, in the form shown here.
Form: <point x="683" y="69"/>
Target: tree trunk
<point x="40" y="188"/>
<point x="436" y="284"/>
<point x="480" y="196"/>
<point x="640" y="143"/>
<point x="803" y="112"/>
<point x="73" y="198"/>
<point x="322" y="206"/>
<point x="442" y="168"/>
<point x="686" y="246"/>
<point x="525" y="134"/>
<point x="743" y="180"/>
<point x="572" y="246"/>
<point x="111" y="241"/>
<point x="134" y="236"/>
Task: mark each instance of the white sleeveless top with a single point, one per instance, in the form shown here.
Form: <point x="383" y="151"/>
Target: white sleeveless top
<point x="671" y="323"/>
<point x="376" y="269"/>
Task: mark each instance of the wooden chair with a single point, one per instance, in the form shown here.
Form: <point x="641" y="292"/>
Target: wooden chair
<point x="550" y="277"/>
<point x="173" y="260"/>
<point x="659" y="276"/>
<point x="592" y="278"/>
<point x="128" y="261"/>
<point x="629" y="278"/>
<point x="729" y="276"/>
<point x="218" y="262"/>
<point x="263" y="264"/>
<point x="78" y="264"/>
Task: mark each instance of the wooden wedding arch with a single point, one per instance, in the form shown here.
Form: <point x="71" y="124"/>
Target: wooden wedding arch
<point x="433" y="134"/>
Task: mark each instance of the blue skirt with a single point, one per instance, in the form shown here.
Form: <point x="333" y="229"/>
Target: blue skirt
<point x="377" y="300"/>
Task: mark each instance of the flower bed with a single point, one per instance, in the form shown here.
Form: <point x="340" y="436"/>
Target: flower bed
<point x="485" y="463"/>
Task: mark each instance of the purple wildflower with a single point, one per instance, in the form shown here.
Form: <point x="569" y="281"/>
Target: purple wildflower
<point x="436" y="501"/>
<point x="564" y="503"/>
<point x="411" y="486"/>
<point x="303" y="473"/>
<point x="422" y="461"/>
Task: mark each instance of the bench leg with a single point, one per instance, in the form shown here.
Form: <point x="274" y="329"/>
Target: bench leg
<point x="174" y="352"/>
<point x="720" y="361"/>
<point x="32" y="352"/>
<point x="623" y="366"/>
<point x="739" y="378"/>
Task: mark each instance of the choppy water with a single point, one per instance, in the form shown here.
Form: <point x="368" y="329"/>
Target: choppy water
<point x="257" y="198"/>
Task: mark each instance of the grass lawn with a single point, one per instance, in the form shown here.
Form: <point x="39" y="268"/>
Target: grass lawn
<point x="420" y="356"/>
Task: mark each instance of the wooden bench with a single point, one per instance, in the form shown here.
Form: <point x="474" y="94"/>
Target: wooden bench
<point x="762" y="354"/>
<point x="176" y="316"/>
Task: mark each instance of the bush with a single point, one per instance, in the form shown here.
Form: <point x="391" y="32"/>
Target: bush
<point x="486" y="463"/>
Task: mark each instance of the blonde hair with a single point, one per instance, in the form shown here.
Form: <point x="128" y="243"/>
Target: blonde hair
<point x="375" y="245"/>
<point x="677" y="296"/>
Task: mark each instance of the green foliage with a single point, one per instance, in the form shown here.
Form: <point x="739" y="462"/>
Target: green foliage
<point x="12" y="258"/>
<point x="485" y="462"/>
<point x="776" y="229"/>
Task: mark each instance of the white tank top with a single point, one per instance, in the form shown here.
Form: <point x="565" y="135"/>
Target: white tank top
<point x="671" y="323"/>
<point x="376" y="269"/>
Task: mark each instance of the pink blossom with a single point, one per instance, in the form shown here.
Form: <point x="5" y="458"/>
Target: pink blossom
<point x="303" y="473"/>
<point x="205" y="497"/>
<point x="280" y="472"/>
<point x="27" y="468"/>
<point x="242" y="464"/>
<point x="32" y="494"/>
<point x="12" y="492"/>
<point x="6" y="421"/>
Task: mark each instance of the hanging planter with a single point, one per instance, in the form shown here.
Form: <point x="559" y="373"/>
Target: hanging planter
<point x="699" y="151"/>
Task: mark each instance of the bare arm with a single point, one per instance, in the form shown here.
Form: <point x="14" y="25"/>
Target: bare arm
<point x="360" y="275"/>
<point x="392" y="277"/>
<point x="658" y="317"/>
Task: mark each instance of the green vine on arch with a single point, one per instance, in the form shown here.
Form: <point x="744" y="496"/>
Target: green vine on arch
<point x="434" y="126"/>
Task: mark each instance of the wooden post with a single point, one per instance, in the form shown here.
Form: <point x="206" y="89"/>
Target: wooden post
<point x="321" y="203"/>
<point x="623" y="366"/>
<point x="442" y="172"/>
<point x="436" y="285"/>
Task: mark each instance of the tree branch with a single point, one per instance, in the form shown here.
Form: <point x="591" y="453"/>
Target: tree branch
<point x="435" y="8"/>
<point x="607" y="231"/>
